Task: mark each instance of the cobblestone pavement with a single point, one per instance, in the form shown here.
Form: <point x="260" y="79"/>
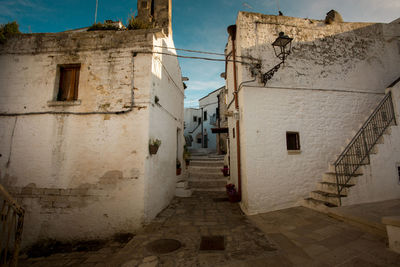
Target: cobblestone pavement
<point x="310" y="238"/>
<point x="291" y="237"/>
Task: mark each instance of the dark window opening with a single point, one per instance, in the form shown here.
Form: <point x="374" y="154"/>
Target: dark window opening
<point x="233" y="132"/>
<point x="152" y="8"/>
<point x="194" y="118"/>
<point x="398" y="170"/>
<point x="69" y="81"/>
<point x="205" y="115"/>
<point x="199" y="140"/>
<point x="199" y="120"/>
<point x="292" y="141"/>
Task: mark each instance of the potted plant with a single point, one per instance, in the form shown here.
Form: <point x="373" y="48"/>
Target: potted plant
<point x="178" y="167"/>
<point x="233" y="195"/>
<point x="186" y="155"/>
<point x="154" y="144"/>
<point x="225" y="170"/>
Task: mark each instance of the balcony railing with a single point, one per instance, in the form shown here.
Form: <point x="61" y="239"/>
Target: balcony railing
<point x="11" y="224"/>
<point x="357" y="152"/>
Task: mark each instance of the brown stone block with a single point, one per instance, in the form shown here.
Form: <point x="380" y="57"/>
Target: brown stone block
<point x="51" y="191"/>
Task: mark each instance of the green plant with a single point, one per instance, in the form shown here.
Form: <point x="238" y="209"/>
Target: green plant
<point x="8" y="30"/>
<point x="155" y="142"/>
<point x="186" y="153"/>
<point x="103" y="27"/>
<point x="135" y="23"/>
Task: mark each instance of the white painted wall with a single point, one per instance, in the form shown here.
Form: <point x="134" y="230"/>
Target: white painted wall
<point x="209" y="104"/>
<point x="192" y="127"/>
<point x="380" y="180"/>
<point x="166" y="124"/>
<point x="88" y="176"/>
<point x="330" y="83"/>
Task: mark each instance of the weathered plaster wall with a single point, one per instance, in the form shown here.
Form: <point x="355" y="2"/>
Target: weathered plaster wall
<point x="166" y="124"/>
<point x="381" y="180"/>
<point x="328" y="86"/>
<point x="78" y="176"/>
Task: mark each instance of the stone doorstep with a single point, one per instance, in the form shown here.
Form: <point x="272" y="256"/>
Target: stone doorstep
<point x="393" y="232"/>
<point x="391" y="220"/>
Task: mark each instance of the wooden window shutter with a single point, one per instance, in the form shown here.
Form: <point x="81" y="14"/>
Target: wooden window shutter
<point x="69" y="81"/>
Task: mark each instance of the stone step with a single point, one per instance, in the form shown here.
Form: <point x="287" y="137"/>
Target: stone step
<point x="205" y="169"/>
<point x="331" y="198"/>
<point x="207" y="183"/>
<point x="183" y="192"/>
<point x="317" y="205"/>
<point x="214" y="189"/>
<point x="207" y="163"/>
<point x="332" y="188"/>
<point x="206" y="159"/>
<point x="330" y="177"/>
<point x="207" y="176"/>
<point x="182" y="184"/>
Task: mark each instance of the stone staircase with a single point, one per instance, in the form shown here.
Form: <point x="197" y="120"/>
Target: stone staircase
<point x="327" y="193"/>
<point x="204" y="173"/>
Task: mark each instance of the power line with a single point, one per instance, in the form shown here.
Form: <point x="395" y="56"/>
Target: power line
<point x="190" y="57"/>
<point x="196" y="51"/>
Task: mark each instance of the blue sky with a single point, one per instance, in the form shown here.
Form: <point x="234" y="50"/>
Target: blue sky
<point x="199" y="25"/>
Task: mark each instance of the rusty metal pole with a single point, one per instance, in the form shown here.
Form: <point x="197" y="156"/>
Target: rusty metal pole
<point x="232" y="33"/>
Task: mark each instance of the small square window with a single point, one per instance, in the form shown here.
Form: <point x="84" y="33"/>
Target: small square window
<point x="69" y="81"/>
<point x="292" y="141"/>
<point x="205" y="116"/>
<point x="194" y="118"/>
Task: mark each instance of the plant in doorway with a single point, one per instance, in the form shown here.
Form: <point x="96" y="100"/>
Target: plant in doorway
<point x="154" y="144"/>
<point x="233" y="195"/>
<point x="178" y="167"/>
<point x="186" y="155"/>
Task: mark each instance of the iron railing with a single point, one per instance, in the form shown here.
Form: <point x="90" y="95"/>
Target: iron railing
<point x="358" y="150"/>
<point x="11" y="224"/>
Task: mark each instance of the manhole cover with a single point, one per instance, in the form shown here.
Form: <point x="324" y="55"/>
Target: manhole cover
<point x="162" y="246"/>
<point x="216" y="242"/>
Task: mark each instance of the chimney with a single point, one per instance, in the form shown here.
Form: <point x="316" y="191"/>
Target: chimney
<point x="157" y="12"/>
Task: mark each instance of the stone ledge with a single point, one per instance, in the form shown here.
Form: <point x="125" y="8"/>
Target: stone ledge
<point x="52" y="103"/>
<point x="392" y="220"/>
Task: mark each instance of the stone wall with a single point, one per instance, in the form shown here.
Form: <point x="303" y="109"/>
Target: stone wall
<point x="82" y="169"/>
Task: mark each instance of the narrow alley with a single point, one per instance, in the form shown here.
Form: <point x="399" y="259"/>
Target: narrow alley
<point x="207" y="230"/>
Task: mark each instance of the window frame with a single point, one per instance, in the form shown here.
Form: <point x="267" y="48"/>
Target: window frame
<point x="297" y="144"/>
<point x="62" y="69"/>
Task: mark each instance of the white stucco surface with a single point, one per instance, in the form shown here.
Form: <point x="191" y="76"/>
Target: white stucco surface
<point x="328" y="86"/>
<point x="83" y="176"/>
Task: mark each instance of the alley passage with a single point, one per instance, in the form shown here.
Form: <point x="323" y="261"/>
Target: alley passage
<point x="187" y="220"/>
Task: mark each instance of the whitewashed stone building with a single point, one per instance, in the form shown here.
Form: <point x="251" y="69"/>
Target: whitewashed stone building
<point x="77" y="111"/>
<point x="199" y="123"/>
<point x="292" y="128"/>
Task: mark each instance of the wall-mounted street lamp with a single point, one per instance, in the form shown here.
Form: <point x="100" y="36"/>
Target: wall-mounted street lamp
<point x="281" y="51"/>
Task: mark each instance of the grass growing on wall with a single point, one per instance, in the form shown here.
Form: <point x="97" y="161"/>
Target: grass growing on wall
<point x="103" y="27"/>
<point x="135" y="24"/>
<point x="8" y="30"/>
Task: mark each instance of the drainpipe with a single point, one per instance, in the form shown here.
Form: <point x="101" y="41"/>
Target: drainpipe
<point x="232" y="33"/>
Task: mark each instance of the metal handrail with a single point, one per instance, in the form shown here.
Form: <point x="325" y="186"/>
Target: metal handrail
<point x="358" y="150"/>
<point x="11" y="223"/>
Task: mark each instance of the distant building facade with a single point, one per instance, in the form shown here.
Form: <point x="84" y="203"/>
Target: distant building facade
<point x="199" y="123"/>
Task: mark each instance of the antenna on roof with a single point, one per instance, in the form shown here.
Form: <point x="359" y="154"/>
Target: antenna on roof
<point x="95" y="14"/>
<point x="279" y="9"/>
